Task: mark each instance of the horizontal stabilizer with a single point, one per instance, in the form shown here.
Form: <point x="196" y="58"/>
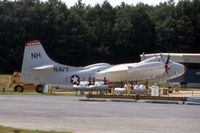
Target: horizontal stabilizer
<point x="43" y="67"/>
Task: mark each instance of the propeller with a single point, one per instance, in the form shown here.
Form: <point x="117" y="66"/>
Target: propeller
<point x="166" y="63"/>
<point x="167" y="68"/>
<point x="168" y="58"/>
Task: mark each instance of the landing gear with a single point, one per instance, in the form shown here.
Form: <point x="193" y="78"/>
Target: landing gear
<point x="147" y="88"/>
<point x="40" y="88"/>
<point x="170" y="89"/>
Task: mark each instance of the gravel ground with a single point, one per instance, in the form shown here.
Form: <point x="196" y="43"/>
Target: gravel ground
<point x="67" y="113"/>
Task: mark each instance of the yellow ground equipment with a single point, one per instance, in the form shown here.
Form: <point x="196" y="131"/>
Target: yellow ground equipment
<point x="20" y="86"/>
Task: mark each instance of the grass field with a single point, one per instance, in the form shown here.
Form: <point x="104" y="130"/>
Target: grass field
<point x="4" y="129"/>
<point x="4" y="80"/>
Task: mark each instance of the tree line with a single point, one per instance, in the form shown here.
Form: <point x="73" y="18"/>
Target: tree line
<point x="83" y="34"/>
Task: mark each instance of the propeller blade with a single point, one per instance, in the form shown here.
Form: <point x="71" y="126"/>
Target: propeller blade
<point x="167" y="60"/>
<point x="167" y="68"/>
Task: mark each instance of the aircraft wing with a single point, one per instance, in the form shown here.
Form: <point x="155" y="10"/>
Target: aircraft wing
<point x="133" y="67"/>
<point x="150" y="66"/>
<point x="115" y="68"/>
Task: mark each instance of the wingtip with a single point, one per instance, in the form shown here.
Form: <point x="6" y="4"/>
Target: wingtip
<point x="33" y="42"/>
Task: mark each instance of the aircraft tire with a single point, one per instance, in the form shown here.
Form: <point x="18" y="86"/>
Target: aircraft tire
<point x="40" y="88"/>
<point x="117" y="93"/>
<point x="18" y="88"/>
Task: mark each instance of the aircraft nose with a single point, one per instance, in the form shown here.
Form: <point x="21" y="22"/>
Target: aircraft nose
<point x="176" y="70"/>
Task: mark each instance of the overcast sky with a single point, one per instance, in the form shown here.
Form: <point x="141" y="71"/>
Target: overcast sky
<point x="70" y="3"/>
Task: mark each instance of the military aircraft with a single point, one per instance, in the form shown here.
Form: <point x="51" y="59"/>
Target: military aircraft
<point x="38" y="68"/>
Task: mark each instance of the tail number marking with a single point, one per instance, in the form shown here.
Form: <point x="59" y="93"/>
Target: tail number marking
<point x="35" y="55"/>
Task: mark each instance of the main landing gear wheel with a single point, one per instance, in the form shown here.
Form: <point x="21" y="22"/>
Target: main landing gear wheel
<point x="40" y="88"/>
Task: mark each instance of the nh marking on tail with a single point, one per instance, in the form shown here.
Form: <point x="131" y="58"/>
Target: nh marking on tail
<point x="35" y="55"/>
